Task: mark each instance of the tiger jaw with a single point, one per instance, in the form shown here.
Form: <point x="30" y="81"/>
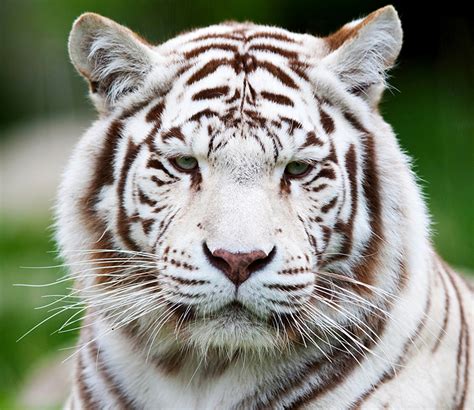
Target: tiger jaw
<point x="235" y="327"/>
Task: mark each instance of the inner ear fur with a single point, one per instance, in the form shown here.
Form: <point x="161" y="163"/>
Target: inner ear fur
<point x="362" y="51"/>
<point x="111" y="57"/>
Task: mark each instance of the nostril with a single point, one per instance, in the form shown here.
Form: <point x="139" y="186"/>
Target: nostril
<point x="238" y="266"/>
<point x="215" y="261"/>
<point x="260" y="263"/>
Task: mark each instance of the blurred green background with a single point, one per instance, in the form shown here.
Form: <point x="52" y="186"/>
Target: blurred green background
<point x="45" y="109"/>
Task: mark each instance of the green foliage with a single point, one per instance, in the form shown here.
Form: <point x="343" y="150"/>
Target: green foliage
<point x="432" y="117"/>
<point x="26" y="243"/>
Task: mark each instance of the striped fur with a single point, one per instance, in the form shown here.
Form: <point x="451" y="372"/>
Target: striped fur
<point x="352" y="308"/>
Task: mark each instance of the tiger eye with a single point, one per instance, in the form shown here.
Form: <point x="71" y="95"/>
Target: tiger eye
<point x="296" y="169"/>
<point x="186" y="163"/>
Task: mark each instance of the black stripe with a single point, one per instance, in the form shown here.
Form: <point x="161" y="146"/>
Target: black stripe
<point x="275" y="50"/>
<point x="156" y="164"/>
<point x="447" y="306"/>
<point x="210" y="93"/>
<point x="272" y="36"/>
<point x="278" y="73"/>
<point x="206" y="113"/>
<point x="277" y="98"/>
<point x="401" y="360"/>
<point x="123" y="220"/>
<point x="85" y="394"/>
<point x="122" y="401"/>
<point x="208" y="69"/>
<point x="209" y="47"/>
<point x="326" y="208"/>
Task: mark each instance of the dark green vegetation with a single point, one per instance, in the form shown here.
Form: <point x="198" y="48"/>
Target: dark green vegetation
<point x="432" y="113"/>
<point x="27" y="243"/>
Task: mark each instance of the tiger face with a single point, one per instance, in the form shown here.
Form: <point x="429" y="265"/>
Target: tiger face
<point x="236" y="213"/>
<point x="227" y="179"/>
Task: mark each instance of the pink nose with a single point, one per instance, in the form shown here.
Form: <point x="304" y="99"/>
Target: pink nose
<point x="238" y="266"/>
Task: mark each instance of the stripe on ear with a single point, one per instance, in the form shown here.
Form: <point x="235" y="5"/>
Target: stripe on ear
<point x="111" y="57"/>
<point x="362" y="51"/>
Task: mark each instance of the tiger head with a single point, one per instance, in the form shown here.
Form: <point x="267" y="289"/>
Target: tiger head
<point x="233" y="180"/>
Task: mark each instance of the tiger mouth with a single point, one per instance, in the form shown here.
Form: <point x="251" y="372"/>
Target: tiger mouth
<point x="236" y="311"/>
<point x="233" y="311"/>
<point x="233" y="328"/>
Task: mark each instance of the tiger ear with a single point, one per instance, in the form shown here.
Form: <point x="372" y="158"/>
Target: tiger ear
<point x="362" y="51"/>
<point x="111" y="57"/>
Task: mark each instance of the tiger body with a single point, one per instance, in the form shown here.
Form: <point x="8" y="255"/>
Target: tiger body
<point x="343" y="302"/>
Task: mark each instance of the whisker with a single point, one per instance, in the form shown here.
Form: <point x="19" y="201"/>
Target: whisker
<point x="356" y="282"/>
<point x="87" y="262"/>
<point x="103" y="250"/>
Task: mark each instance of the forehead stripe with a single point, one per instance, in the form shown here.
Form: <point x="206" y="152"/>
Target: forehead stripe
<point x="208" y="69"/>
<point x="206" y="113"/>
<point x="203" y="49"/>
<point x="278" y="73"/>
<point x="210" y="93"/>
<point x="275" y="50"/>
<point x="277" y="98"/>
<point x="223" y="36"/>
<point x="272" y="36"/>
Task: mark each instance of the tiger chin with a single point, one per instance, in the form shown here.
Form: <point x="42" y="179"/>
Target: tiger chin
<point x="245" y="231"/>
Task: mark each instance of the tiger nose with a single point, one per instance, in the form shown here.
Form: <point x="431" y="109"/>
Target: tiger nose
<point x="238" y="266"/>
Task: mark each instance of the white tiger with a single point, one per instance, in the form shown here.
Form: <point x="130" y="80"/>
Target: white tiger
<point x="245" y="231"/>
